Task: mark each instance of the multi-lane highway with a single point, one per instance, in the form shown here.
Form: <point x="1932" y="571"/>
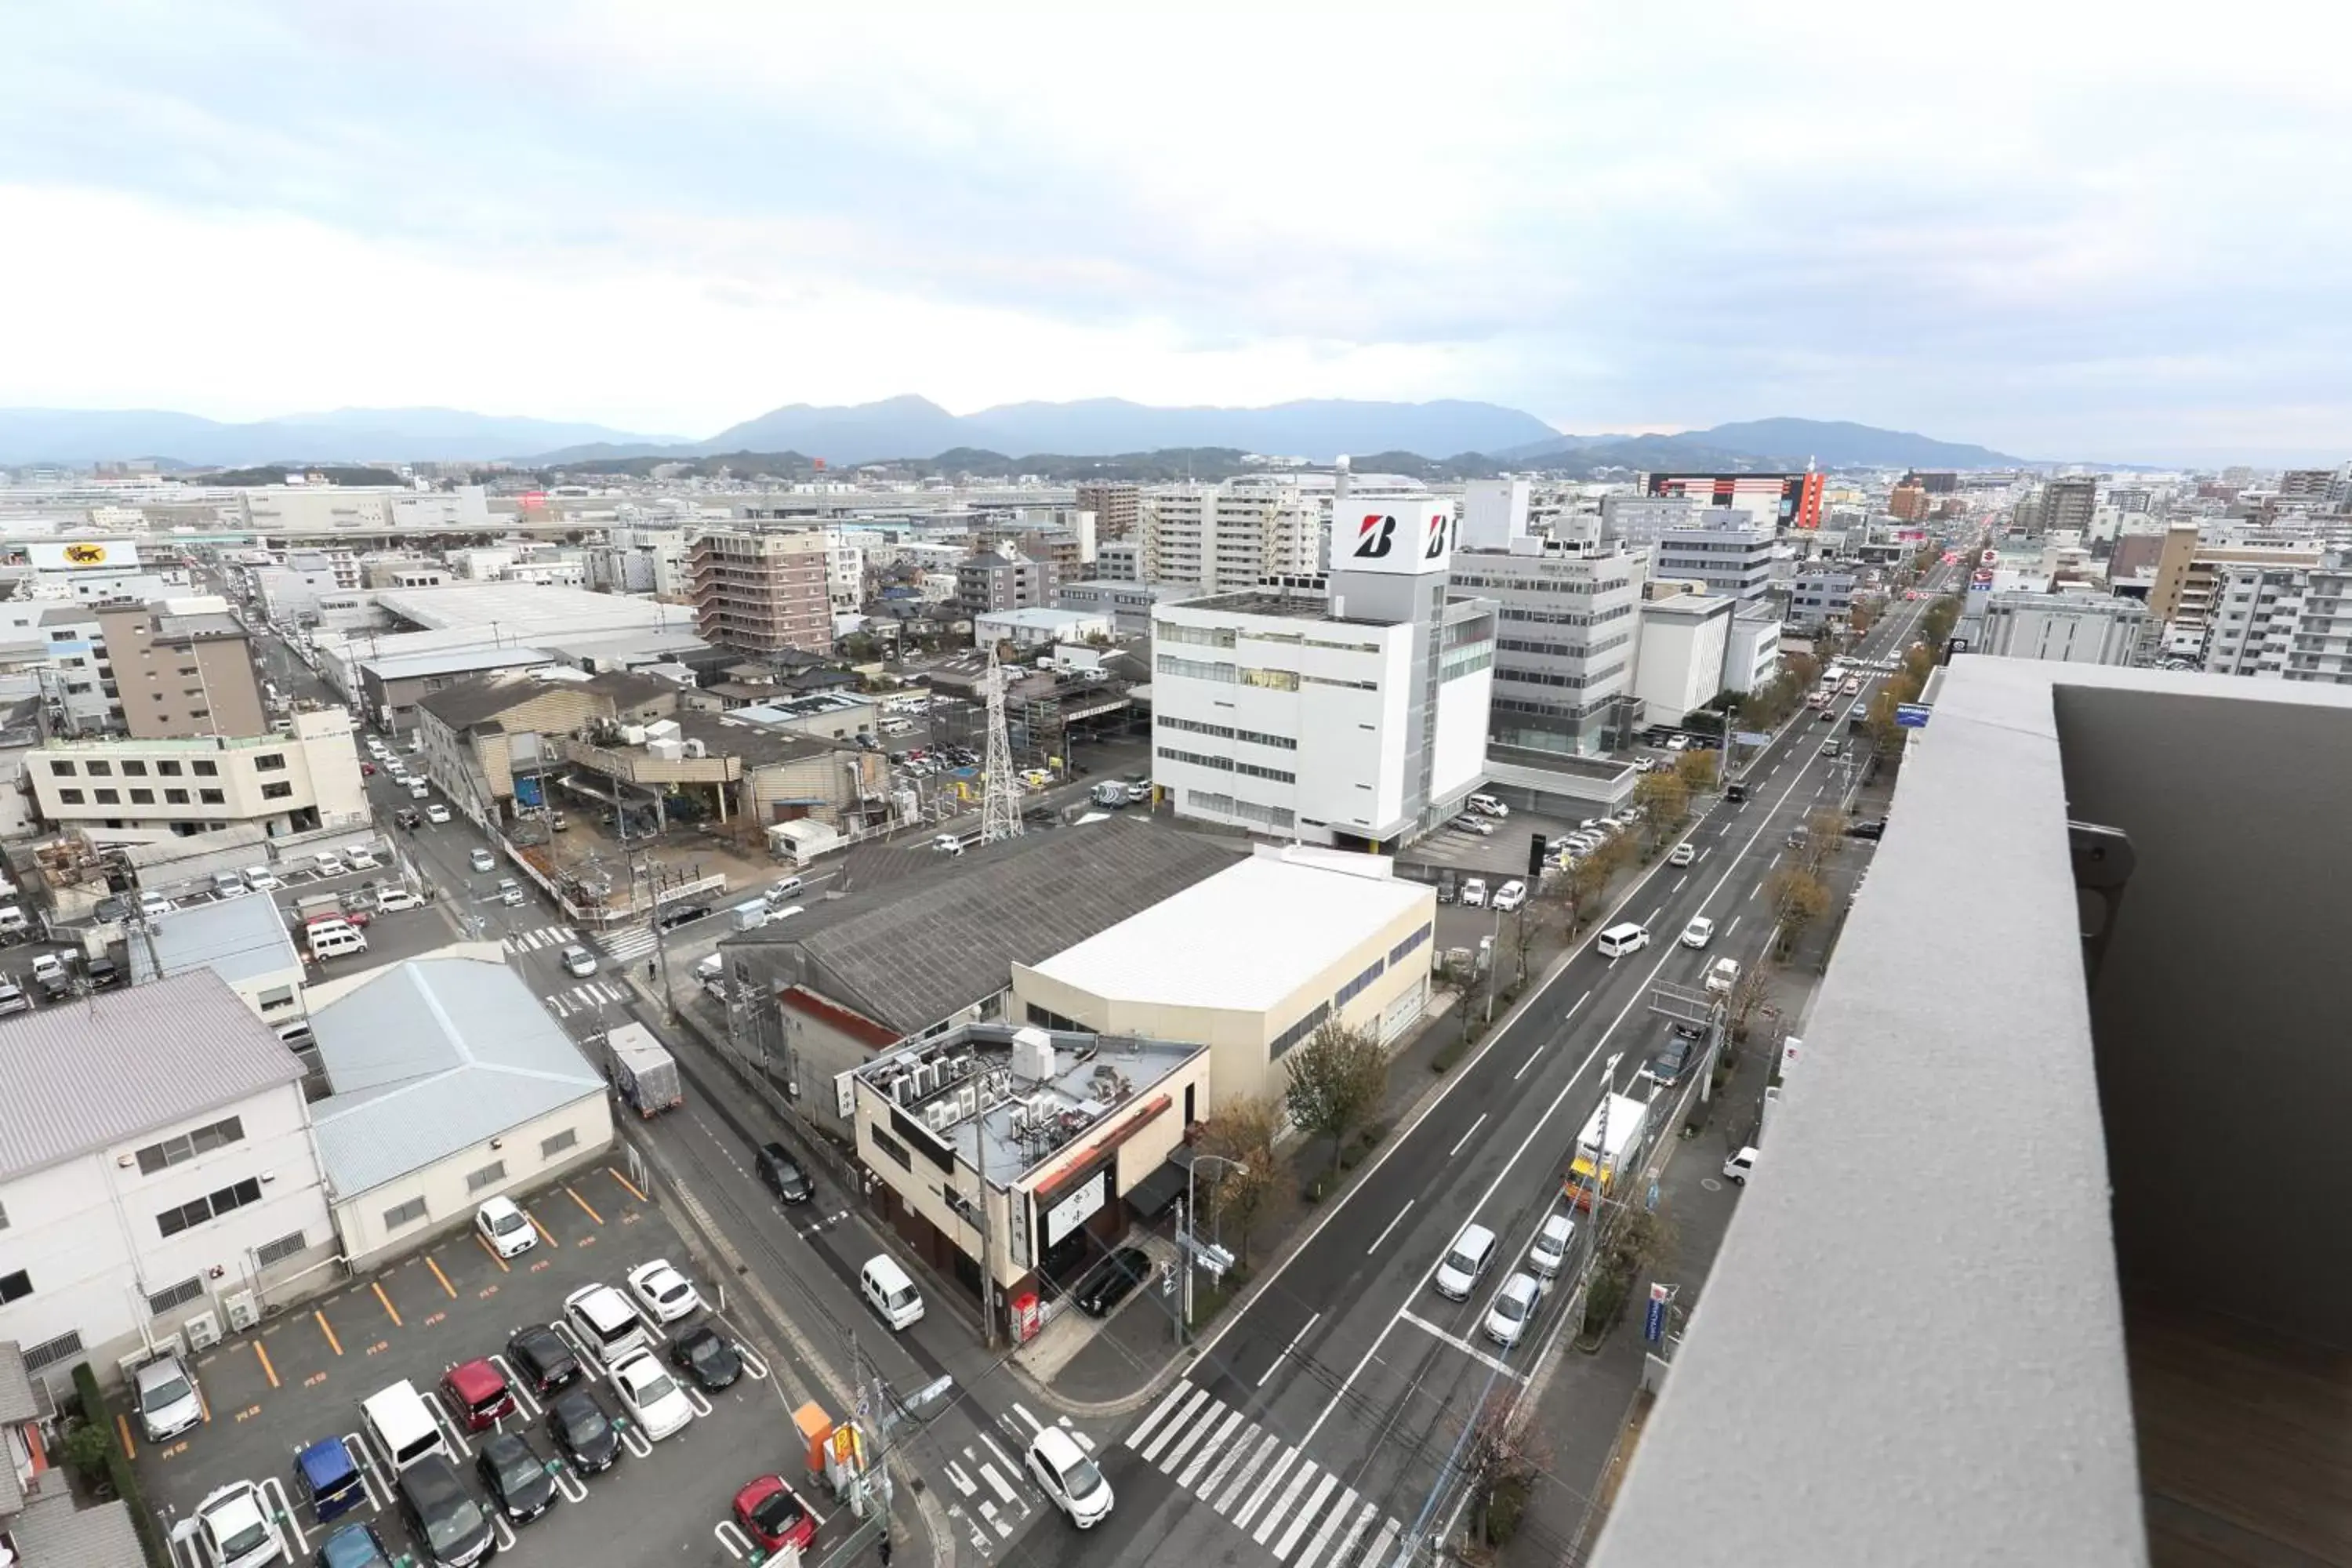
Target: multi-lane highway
<point x="1319" y="1425"/>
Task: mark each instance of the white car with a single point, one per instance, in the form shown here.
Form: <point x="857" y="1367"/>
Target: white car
<point x="1699" y="932"/>
<point x="579" y="963"/>
<point x="1513" y="1307"/>
<point x="1510" y="896"/>
<point x="233" y="1526"/>
<point x="1722" y="975"/>
<point x="49" y="967"/>
<point x="359" y="858"/>
<point x="166" y="1395"/>
<point x="1548" y="1254"/>
<point x="416" y="790"/>
<point x="436" y="813"/>
<point x="391" y="900"/>
<point x="1476" y="824"/>
<point x="1740" y="1166"/>
<point x="511" y="892"/>
<point x="505" y="1228"/>
<point x="1685" y="853"/>
<point x="154" y="907"/>
<point x="1473" y="893"/>
<point x="1068" y="1475"/>
<point x="663" y="1291"/>
<point x="479" y="859"/>
<point x="259" y="878"/>
<point x="651" y="1395"/>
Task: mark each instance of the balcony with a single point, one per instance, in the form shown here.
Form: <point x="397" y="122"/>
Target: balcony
<point x="2045" y="1261"/>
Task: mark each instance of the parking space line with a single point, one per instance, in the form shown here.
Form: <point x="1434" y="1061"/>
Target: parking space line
<point x="628" y="1184"/>
<point x="494" y="1252"/>
<point x="329" y="1330"/>
<point x="122" y="1425"/>
<point x="591" y="1214"/>
<point x="390" y="1310"/>
<point x="264" y="1354"/>
<point x="545" y="1235"/>
<point x="441" y="1276"/>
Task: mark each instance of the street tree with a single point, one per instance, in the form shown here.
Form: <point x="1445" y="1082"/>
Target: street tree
<point x="1338" y="1077"/>
<point x="1862" y="616"/>
<point x="1501" y="1461"/>
<point x="1803" y="668"/>
<point x="1799" y="898"/>
<point x="1581" y="889"/>
<point x="1748" y="993"/>
<point x="1697" y="770"/>
<point x="1664" y="799"/>
<point x="1634" y="1245"/>
<point x="1247" y="1192"/>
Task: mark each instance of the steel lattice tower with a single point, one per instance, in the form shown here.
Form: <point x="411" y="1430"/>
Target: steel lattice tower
<point x="1000" y="802"/>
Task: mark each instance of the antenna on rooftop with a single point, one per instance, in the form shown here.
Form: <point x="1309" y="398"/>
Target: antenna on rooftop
<point x="1000" y="801"/>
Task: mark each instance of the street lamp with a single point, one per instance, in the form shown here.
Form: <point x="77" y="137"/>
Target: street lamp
<point x="1190" y="1240"/>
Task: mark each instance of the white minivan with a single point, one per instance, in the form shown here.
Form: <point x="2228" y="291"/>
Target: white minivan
<point x="890" y="1293"/>
<point x="332" y="939"/>
<point x="1621" y="939"/>
<point x="1465" y="1262"/>
<point x="605" y="1323"/>
<point x="401" y="1425"/>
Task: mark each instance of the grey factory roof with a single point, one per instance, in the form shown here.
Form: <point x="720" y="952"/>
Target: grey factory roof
<point x="920" y="949"/>
<point x="237" y="939"/>
<point x="164" y="1054"/>
<point x="431" y="1057"/>
<point x="56" y="1533"/>
<point x="451" y="662"/>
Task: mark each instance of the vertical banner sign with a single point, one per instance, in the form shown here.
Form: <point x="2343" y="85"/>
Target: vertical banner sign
<point x="1654" y="1326"/>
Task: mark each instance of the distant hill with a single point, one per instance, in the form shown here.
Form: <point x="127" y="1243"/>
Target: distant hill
<point x="1839" y="443"/>
<point x="347" y="435"/>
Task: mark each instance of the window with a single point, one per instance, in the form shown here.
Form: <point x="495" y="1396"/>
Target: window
<point x="62" y="769"/>
<point x="175" y="797"/>
<point x="205" y="770"/>
<point x="1408" y="944"/>
<point x="892" y="1147"/>
<point x="276" y="792"/>
<point x="408" y="1213"/>
<point x="107" y="796"/>
<point x="179" y="1295"/>
<point x="551" y="1147"/>
<point x="100" y="769"/>
<point x="134" y="770"/>
<point x="179" y="1151"/>
<point x="143" y="797"/>
<point x="278" y="1251"/>
<point x="279" y="996"/>
<point x="1355" y="988"/>
<point x="270" y="761"/>
<point x="70" y="797"/>
<point x="229" y="1200"/>
<point x="168" y="769"/>
<point x="1299" y="1031"/>
<point x="50" y="1352"/>
<point x="211" y="797"/>
<point x="490" y="1175"/>
<point x="15" y="1287"/>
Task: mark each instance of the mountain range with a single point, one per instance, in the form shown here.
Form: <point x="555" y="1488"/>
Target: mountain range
<point x="1475" y="435"/>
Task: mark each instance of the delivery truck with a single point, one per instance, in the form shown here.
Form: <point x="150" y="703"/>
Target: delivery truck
<point x="1611" y="1141"/>
<point x="642" y="1070"/>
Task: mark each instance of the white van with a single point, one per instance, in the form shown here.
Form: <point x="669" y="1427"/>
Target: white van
<point x="329" y="864"/>
<point x="605" y="1323"/>
<point x="333" y="940"/>
<point x="749" y="915"/>
<point x="1620" y="940"/>
<point x="401" y="1425"/>
<point x="1465" y="1262"/>
<point x="1488" y="804"/>
<point x="890" y="1293"/>
<point x="782" y="893"/>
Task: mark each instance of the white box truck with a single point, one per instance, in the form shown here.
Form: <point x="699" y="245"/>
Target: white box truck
<point x="1611" y="1139"/>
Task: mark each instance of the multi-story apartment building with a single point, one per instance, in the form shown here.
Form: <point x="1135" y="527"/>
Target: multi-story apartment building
<point x="1116" y="504"/>
<point x="134" y="791"/>
<point x="2185" y="599"/>
<point x="179" y="675"/>
<point x="1360" y="721"/>
<point x="2074" y="628"/>
<point x="1820" y="595"/>
<point x="1230" y="537"/>
<point x="993" y="579"/>
<point x="1127" y="605"/>
<point x="1729" y="550"/>
<point x="1564" y="641"/>
<point x="762" y="591"/>
<point x="2319" y="647"/>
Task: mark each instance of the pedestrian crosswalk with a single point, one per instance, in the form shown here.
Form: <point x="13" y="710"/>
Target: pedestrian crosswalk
<point x="524" y="941"/>
<point x="587" y="998"/>
<point x="629" y="941"/>
<point x="1263" y="1487"/>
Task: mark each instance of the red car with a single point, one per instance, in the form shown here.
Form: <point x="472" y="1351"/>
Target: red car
<point x="772" y="1514"/>
<point x="367" y="770"/>
<point x="477" y="1394"/>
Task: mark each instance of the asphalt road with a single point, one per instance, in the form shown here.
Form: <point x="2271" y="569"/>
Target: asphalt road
<point x="1313" y="1429"/>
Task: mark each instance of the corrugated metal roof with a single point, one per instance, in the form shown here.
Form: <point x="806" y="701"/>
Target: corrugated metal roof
<point x="1248" y="937"/>
<point x="54" y="1534"/>
<point x="102" y="1071"/>
<point x="431" y="1057"/>
<point x="17" y="1402"/>
<point x="237" y="939"/>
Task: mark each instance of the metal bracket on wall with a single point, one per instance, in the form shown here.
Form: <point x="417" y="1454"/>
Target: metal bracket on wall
<point x="2103" y="864"/>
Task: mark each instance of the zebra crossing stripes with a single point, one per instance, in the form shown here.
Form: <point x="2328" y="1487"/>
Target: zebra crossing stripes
<point x="524" y="941"/>
<point x="629" y="941"/>
<point x="585" y="998"/>
<point x="1266" y="1488"/>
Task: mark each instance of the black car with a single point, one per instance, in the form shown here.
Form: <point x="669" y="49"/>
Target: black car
<point x="104" y="973"/>
<point x="517" y="1478"/>
<point x="442" y="1515"/>
<point x="583" y="1431"/>
<point x="679" y="915"/>
<point x="407" y="816"/>
<point x="1675" y="1057"/>
<point x="1869" y="827"/>
<point x="543" y="1361"/>
<point x="354" y="1546"/>
<point x="705" y="1354"/>
<point x="1112" y="1281"/>
<point x="782" y="1174"/>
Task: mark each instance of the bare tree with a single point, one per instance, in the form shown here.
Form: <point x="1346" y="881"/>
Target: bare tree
<point x="1748" y="993"/>
<point x="1664" y="799"/>
<point x="1799" y="897"/>
<point x="1505" y="1455"/>
<point x="1337" y="1077"/>
<point x="1247" y="1192"/>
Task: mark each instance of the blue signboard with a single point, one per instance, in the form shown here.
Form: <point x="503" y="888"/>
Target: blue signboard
<point x="1751" y="738"/>
<point x="1912" y="715"/>
<point x="1653" y="1327"/>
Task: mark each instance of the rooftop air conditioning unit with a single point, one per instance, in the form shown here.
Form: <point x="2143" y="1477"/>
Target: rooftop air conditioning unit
<point x="243" y="1310"/>
<point x="968" y="1100"/>
<point x="1033" y="1054"/>
<point x="202" y="1331"/>
<point x="941" y="1114"/>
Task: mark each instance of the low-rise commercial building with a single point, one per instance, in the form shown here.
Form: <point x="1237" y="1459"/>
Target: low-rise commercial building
<point x="1036" y="627"/>
<point x="491" y="741"/>
<point x="244" y="941"/>
<point x="1125" y="603"/>
<point x="135" y="790"/>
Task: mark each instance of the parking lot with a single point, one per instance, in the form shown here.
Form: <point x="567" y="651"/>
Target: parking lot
<point x="299" y="1380"/>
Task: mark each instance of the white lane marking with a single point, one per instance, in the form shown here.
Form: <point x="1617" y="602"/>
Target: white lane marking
<point x="1458" y="1343"/>
<point x="1733" y="926"/>
<point x="1208" y="1450"/>
<point x="1757" y="891"/>
<point x="997" y="1483"/>
<point x="1201" y="1430"/>
<point x="1152" y="1455"/>
<point x="1679" y="881"/>
<point x="961" y="1477"/>
<point x="1268" y="1446"/>
<point x="1364" y="1517"/>
<point x="1035" y="1425"/>
<point x="1289" y="1541"/>
<point x="1175" y="1397"/>
<point x="1380" y="1238"/>
<point x="1526" y="1064"/>
<point x="1463" y="1138"/>
<point x="1264" y="1488"/>
<point x="1294" y="1342"/>
<point x="1001" y="1457"/>
<point x="1274" y="1515"/>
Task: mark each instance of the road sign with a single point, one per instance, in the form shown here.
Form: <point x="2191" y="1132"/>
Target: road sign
<point x="1912" y="715"/>
<point x="1751" y="737"/>
<point x="1653" y="1325"/>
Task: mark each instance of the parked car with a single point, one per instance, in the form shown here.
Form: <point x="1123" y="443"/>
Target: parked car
<point x="505" y="1226"/>
<point x="781" y="1174"/>
<point x="1872" y="827"/>
<point x="233" y="1523"/>
<point x="476" y="1393"/>
<point x="393" y="901"/>
<point x="12" y="998"/>
<point x="651" y="1396"/>
<point x="355" y="1546"/>
<point x="663" y="1291"/>
<point x="104" y="974"/>
<point x="1510" y="896"/>
<point x="1474" y="892"/>
<point x="168" y="1399"/>
<point x="772" y="1515"/>
<point x="51" y="973"/>
<point x="1478" y="825"/>
<point x="442" y="1514"/>
<point x="543" y="1359"/>
<point x="516" y="1477"/>
<point x="1112" y="1281"/>
<point x="708" y="1356"/>
<point x="1740" y="1166"/>
<point x="583" y="1431"/>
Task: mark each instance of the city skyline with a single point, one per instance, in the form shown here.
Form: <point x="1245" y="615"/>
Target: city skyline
<point x="669" y="222"/>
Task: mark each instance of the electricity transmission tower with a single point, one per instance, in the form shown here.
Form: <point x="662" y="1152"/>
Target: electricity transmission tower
<point x="1000" y="802"/>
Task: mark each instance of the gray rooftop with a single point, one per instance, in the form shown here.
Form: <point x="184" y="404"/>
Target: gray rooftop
<point x="433" y="1056"/>
<point x="923" y="947"/>
<point x="237" y="939"/>
<point x="54" y="1534"/>
<point x="17" y="1402"/>
<point x="120" y="1064"/>
<point x="410" y="666"/>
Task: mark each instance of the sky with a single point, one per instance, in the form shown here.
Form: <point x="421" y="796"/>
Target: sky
<point x="2065" y="230"/>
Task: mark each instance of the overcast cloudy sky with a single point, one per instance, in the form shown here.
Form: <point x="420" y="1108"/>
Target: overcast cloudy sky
<point x="2062" y="229"/>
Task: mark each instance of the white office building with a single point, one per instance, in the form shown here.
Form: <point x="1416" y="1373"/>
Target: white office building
<point x="1230" y="537"/>
<point x="131" y="791"/>
<point x="1751" y="660"/>
<point x="2074" y="629"/>
<point x="1685" y="643"/>
<point x="1564" y="640"/>
<point x="1725" y="550"/>
<point x="156" y="1172"/>
<point x="1358" y="720"/>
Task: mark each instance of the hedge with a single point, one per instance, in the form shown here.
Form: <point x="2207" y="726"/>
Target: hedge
<point x="125" y="1479"/>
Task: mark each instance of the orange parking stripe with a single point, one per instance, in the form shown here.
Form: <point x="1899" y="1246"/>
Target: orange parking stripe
<point x="626" y="1183"/>
<point x="591" y="1214"/>
<point x="390" y="1310"/>
<point x="443" y="1277"/>
<point x="122" y="1425"/>
<point x="545" y="1235"/>
<point x="328" y="1329"/>
<point x="493" y="1252"/>
<point x="259" y="1350"/>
